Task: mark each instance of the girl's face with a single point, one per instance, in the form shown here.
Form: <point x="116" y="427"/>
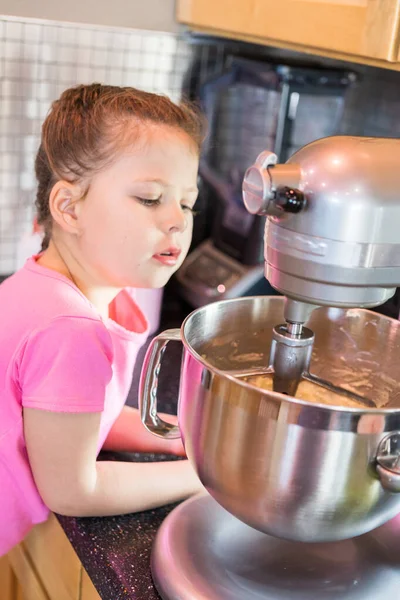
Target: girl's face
<point x="135" y="223"/>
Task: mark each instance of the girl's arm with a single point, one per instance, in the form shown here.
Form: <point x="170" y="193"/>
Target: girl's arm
<point x="62" y="450"/>
<point x="128" y="434"/>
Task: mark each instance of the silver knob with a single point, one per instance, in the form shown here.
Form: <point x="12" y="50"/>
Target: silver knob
<point x="257" y="185"/>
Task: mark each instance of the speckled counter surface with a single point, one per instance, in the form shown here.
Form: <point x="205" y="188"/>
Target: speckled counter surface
<point x="115" y="551"/>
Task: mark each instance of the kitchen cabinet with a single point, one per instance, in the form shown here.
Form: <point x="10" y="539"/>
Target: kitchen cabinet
<point x="46" y="567"/>
<point x="356" y="30"/>
<point x="9" y="587"/>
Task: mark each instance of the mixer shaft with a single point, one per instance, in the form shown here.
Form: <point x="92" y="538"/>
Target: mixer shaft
<point x="290" y="356"/>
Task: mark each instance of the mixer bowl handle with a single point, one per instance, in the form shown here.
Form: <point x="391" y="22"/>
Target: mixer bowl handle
<point x="149" y="383"/>
<point x="388" y="462"/>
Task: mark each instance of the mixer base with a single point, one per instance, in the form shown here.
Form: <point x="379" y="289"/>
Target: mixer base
<point x="202" y="552"/>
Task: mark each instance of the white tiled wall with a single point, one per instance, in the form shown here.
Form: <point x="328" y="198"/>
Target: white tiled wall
<point x="38" y="60"/>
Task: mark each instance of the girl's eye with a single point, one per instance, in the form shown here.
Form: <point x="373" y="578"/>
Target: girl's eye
<point x="157" y="201"/>
<point x="149" y="201"/>
<point x="190" y="209"/>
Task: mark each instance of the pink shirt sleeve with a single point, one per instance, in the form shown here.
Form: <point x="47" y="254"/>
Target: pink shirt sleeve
<point x="66" y="366"/>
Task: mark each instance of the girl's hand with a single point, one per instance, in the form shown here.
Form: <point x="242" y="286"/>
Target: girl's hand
<point x="128" y="434"/>
<point x="174" y="447"/>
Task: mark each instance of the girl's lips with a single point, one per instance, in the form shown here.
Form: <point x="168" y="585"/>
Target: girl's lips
<point x="166" y="259"/>
<point x="169" y="257"/>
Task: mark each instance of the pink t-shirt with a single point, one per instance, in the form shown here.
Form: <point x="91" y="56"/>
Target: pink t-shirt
<point x="56" y="354"/>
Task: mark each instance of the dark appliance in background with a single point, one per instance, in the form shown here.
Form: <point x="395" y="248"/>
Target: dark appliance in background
<point x="250" y="106"/>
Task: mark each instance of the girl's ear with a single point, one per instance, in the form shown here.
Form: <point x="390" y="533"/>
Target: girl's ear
<point x="63" y="204"/>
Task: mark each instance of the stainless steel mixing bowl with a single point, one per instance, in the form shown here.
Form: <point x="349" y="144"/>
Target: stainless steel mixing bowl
<point x="290" y="468"/>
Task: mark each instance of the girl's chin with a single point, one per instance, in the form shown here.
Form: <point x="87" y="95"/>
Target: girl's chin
<point x="154" y="278"/>
<point x="150" y="282"/>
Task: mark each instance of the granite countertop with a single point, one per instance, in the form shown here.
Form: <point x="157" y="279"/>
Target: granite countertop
<point x="115" y="551"/>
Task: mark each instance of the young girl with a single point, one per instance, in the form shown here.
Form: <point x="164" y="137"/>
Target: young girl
<point x="117" y="174"/>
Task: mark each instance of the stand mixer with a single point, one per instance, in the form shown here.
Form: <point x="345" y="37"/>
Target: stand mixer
<point x="303" y="497"/>
<point x="332" y="237"/>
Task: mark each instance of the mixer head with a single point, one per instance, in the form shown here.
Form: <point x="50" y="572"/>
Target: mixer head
<point x="332" y="229"/>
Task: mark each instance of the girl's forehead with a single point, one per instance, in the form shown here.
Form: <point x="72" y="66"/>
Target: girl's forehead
<point x="147" y="137"/>
<point x="168" y="158"/>
<point x="163" y="147"/>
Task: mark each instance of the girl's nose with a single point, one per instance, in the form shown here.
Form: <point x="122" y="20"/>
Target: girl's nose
<point x="174" y="219"/>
